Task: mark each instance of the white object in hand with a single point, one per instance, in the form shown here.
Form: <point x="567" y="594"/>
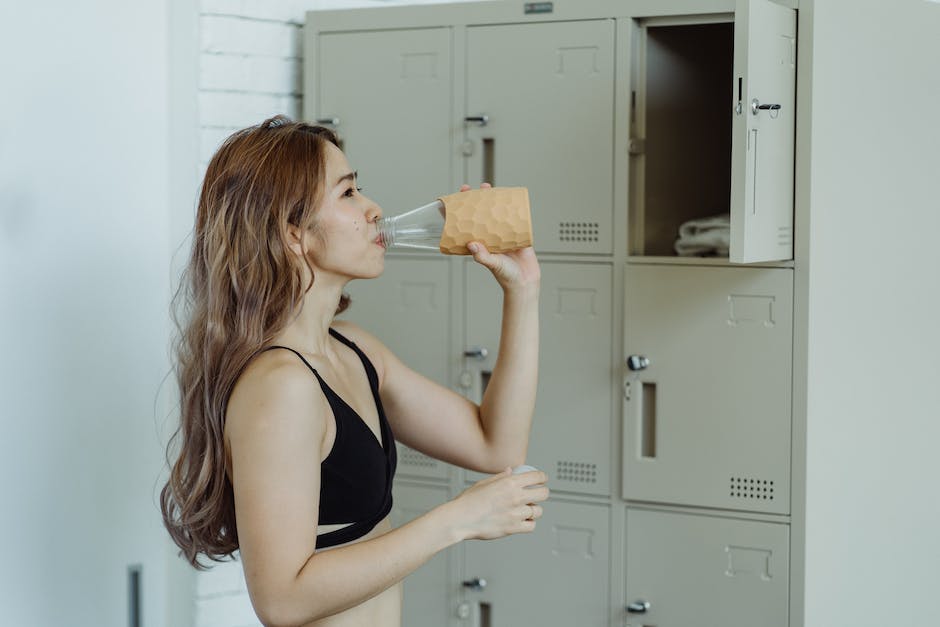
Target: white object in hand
<point x="518" y="470"/>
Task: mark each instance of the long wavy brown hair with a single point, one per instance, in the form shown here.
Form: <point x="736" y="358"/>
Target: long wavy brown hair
<point x="241" y="288"/>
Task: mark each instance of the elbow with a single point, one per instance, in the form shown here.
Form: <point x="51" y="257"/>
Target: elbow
<point x="271" y="616"/>
<point x="280" y="612"/>
<point x="501" y="460"/>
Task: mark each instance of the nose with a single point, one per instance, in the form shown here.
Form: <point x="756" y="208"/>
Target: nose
<point x="373" y="212"/>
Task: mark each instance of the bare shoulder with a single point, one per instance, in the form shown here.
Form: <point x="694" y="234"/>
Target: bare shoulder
<point x="276" y="391"/>
<point x="374" y="349"/>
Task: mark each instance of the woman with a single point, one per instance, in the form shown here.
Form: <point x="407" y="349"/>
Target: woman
<point x="286" y="451"/>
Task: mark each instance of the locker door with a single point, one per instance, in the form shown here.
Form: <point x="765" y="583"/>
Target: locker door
<point x="547" y="90"/>
<point x="705" y="571"/>
<point x="428" y="592"/>
<point x="408" y="309"/>
<point x="762" y="140"/>
<point x="707" y="423"/>
<point x="391" y="91"/>
<point x="557" y="575"/>
<point x="570" y="437"/>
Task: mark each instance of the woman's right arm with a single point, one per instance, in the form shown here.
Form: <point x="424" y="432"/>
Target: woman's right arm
<point x="275" y="431"/>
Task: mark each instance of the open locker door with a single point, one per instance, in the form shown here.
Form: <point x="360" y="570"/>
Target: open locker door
<point x="763" y="132"/>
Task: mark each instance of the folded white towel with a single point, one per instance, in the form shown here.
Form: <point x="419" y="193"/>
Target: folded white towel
<point x="705" y="236"/>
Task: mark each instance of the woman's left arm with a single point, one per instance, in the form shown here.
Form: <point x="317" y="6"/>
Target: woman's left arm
<point x="439" y="422"/>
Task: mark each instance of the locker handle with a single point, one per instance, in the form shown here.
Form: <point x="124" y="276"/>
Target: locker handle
<point x="489" y="150"/>
<point x="477" y="352"/>
<point x="477" y="583"/>
<point x="641" y="413"/>
<point x="638" y="607"/>
<point x="482" y="120"/>
<point x="756" y="106"/>
<point x="330" y="121"/>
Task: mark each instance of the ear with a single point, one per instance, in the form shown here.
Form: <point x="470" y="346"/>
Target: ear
<point x="295" y="239"/>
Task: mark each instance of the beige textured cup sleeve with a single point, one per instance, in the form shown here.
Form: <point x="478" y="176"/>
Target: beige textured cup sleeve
<point x="497" y="216"/>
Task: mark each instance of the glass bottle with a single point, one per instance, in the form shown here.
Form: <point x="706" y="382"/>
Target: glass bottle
<point x="499" y="217"/>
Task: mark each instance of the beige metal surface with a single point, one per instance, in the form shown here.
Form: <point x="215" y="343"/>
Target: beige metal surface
<point x="391" y="91"/>
<point x="719" y="345"/>
<point x="762" y="144"/>
<point x="550" y="108"/>
<point x="706" y="571"/>
<point x="557" y="575"/>
<point x="571" y="428"/>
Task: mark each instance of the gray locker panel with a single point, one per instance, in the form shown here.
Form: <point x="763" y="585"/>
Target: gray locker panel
<point x="392" y="92"/>
<point x="428" y="592"/>
<point x="706" y="571"/>
<point x="550" y="107"/>
<point x="762" y="142"/>
<point x="557" y="575"/>
<point x="708" y="422"/>
<point x="408" y="308"/>
<point x="570" y="437"/>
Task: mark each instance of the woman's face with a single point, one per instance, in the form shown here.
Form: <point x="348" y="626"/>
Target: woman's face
<point x="345" y="239"/>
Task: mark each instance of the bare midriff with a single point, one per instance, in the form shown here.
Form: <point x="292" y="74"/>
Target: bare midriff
<point x="382" y="610"/>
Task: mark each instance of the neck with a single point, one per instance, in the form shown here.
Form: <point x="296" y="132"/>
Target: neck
<point x="309" y="331"/>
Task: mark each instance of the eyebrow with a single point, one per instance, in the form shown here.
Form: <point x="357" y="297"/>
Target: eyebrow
<point x="351" y="176"/>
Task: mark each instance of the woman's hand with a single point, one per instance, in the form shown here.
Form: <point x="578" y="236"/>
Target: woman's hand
<point x="518" y="269"/>
<point x="499" y="506"/>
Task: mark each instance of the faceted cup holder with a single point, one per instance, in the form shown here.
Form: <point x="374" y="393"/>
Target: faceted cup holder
<point x="498" y="216"/>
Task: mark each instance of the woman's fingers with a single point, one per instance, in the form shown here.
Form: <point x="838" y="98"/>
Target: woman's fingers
<point x="532" y="477"/>
<point x="466" y="187"/>
<point x="484" y="257"/>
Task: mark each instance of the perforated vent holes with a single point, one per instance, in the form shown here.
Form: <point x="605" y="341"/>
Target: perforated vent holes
<point x="750" y="488"/>
<point x="579" y="472"/>
<point x="411" y="457"/>
<point x="578" y="231"/>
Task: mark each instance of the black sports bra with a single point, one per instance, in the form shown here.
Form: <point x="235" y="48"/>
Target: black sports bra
<point x="356" y="476"/>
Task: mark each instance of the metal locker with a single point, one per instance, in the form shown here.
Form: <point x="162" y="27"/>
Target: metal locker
<point x="390" y="92"/>
<point x="541" y="115"/>
<point x="570" y="437"/>
<point x="762" y="147"/>
<point x="557" y="575"/>
<point x="707" y="386"/>
<point x="685" y="569"/>
<point x="711" y="129"/>
<point x="428" y="595"/>
<point x="408" y="309"/>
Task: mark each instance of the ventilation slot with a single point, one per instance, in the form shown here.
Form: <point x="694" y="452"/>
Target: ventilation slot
<point x="579" y="472"/>
<point x="750" y="488"/>
<point x="578" y="231"/>
<point x="411" y="457"/>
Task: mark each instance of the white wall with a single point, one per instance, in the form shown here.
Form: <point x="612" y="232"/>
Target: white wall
<point x="84" y="286"/>
<point x="873" y="384"/>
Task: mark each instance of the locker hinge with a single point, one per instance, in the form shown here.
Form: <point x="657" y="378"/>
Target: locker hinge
<point x="637" y="146"/>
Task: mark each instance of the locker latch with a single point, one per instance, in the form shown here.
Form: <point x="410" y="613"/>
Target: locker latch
<point x="757" y="106"/>
<point x="638" y="607"/>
